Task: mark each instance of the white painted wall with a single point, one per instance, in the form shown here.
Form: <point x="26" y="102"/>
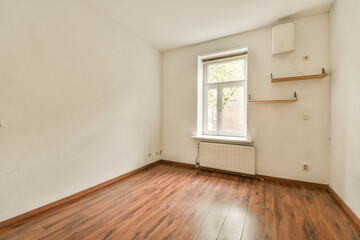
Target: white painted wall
<point x="283" y="140"/>
<point x="345" y="102"/>
<point x="80" y="99"/>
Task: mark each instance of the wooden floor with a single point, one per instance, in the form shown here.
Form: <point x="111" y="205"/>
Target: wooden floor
<point x="171" y="202"/>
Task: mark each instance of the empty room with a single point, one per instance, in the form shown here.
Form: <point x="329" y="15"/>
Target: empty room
<point x="193" y="119"/>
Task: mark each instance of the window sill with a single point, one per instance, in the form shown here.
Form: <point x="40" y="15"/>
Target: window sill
<point x="226" y="139"/>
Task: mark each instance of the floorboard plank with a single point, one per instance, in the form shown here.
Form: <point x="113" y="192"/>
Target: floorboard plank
<point x="193" y="222"/>
<point x="168" y="227"/>
<point x="214" y="221"/>
<point x="235" y="220"/>
<point x="149" y="223"/>
<point x="146" y="205"/>
<point x="254" y="222"/>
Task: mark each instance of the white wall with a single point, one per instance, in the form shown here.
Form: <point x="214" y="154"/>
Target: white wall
<point x="283" y="140"/>
<point x="80" y="99"/>
<point x="345" y="102"/>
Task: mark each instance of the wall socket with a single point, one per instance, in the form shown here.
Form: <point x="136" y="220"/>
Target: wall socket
<point x="149" y="155"/>
<point x="305" y="167"/>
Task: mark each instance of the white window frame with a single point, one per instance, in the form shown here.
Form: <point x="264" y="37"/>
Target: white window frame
<point x="203" y="87"/>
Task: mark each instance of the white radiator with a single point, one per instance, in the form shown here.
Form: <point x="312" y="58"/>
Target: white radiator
<point x="227" y="157"/>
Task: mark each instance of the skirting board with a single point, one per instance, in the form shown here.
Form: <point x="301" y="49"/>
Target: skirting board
<point x="261" y="177"/>
<point x="226" y="172"/>
<point x="188" y="165"/>
<point x="292" y="181"/>
<point x="21" y="218"/>
<point x="353" y="217"/>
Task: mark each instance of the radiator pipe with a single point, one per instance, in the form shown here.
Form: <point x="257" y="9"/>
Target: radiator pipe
<point x="197" y="164"/>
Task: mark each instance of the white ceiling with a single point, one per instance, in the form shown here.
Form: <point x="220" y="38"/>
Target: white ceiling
<point x="168" y="24"/>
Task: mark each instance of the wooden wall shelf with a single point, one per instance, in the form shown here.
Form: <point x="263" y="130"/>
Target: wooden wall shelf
<point x="305" y="77"/>
<point x="295" y="99"/>
<point x="273" y="101"/>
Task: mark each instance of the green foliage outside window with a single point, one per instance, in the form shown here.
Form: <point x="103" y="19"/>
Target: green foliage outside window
<point x="223" y="72"/>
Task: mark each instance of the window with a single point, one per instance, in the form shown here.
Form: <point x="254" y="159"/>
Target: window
<point x="224" y="95"/>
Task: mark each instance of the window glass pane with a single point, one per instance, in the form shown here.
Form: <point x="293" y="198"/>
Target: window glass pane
<point x="226" y="71"/>
<point x="233" y="104"/>
<point x="212" y="109"/>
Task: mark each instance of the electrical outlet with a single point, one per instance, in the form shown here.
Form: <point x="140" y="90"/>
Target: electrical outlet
<point x="149" y="155"/>
<point x="305" y="167"/>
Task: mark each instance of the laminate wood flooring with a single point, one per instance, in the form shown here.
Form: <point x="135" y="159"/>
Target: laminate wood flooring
<point x="174" y="202"/>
